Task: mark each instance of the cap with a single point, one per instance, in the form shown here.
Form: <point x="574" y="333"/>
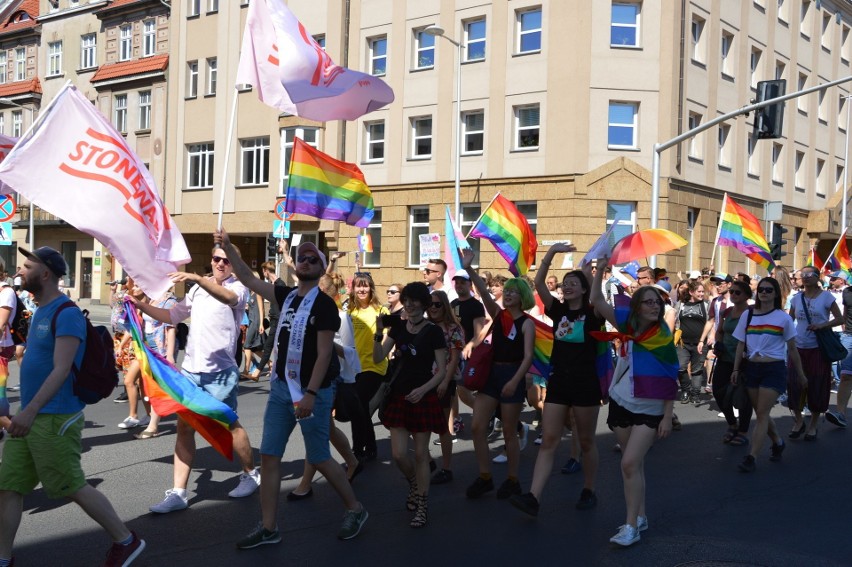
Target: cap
<point x="462" y="274"/>
<point x="663" y="286"/>
<point x="313" y="247"/>
<point x="726" y="278"/>
<point x="49" y="257"/>
<point x="839" y="275"/>
<point x="694" y="275"/>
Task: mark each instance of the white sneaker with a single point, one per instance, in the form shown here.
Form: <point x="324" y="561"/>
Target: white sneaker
<point x="129" y="423"/>
<point x="171" y="503"/>
<point x="249" y="482"/>
<point x="144" y="421"/>
<point x="501" y="458"/>
<point x="641" y="523"/>
<point x="525" y="436"/>
<point x="627" y="535"/>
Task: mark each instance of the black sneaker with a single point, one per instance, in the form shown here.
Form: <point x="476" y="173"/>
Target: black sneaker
<point x="684" y="397"/>
<point x="122" y="398"/>
<point x="525" y="503"/>
<point x="588" y="500"/>
<point x="747" y="465"/>
<point x="777" y="449"/>
<point x="479" y="487"/>
<point x="443" y="476"/>
<point x="508" y="488"/>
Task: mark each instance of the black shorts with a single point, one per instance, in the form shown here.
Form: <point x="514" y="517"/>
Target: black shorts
<point x="579" y="389"/>
<point x="621" y="417"/>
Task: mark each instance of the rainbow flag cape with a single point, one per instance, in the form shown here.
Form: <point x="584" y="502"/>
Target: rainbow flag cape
<point x="323" y="187"/>
<point x="741" y="229"/>
<point x="543" y="348"/>
<point x="814" y="260"/>
<point x="507" y="229"/>
<point x="171" y="392"/>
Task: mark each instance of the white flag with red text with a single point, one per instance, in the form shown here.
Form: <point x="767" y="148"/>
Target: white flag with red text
<point x="292" y="73"/>
<point x="76" y="166"/>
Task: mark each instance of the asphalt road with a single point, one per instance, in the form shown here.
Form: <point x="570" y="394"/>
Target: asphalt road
<point x="700" y="509"/>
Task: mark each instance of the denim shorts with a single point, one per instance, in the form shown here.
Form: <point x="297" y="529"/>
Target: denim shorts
<point x="846" y="363"/>
<point x="771" y="375"/>
<point x="280" y="420"/>
<point x="223" y="385"/>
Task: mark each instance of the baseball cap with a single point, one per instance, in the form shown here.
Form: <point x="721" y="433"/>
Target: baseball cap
<point x="49" y="257"/>
<point x="663" y="286"/>
<point x="840" y="275"/>
<point x="312" y="247"/>
<point x="462" y="274"/>
<point x="726" y="278"/>
<point x="694" y="275"/>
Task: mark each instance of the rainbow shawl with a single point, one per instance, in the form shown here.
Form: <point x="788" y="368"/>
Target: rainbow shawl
<point x="171" y="392"/>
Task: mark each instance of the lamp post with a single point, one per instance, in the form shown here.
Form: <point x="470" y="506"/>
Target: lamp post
<point x="845" y="168"/>
<point x="439" y="32"/>
<point x="10" y="102"/>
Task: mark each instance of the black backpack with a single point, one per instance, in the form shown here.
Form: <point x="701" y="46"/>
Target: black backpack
<point x="97" y="376"/>
<point x="19" y="327"/>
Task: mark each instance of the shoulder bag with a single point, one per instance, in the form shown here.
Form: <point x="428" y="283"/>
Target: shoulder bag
<point x="380" y="399"/>
<point x="828" y="341"/>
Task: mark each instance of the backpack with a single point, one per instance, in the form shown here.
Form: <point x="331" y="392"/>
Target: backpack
<point x="19" y="326"/>
<point x="181" y="334"/>
<point x="97" y="376"/>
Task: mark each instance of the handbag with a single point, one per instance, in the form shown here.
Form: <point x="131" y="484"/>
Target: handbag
<point x="828" y="342"/>
<point x="478" y="366"/>
<point x="736" y="395"/>
<point x="380" y="399"/>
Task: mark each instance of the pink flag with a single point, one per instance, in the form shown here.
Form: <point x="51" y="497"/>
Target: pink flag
<point x="76" y="166"/>
<point x="292" y="73"/>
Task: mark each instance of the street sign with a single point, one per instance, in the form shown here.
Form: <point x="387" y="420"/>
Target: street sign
<point x="5" y="233"/>
<point x="8" y="208"/>
<point x="281" y="229"/>
<point x="280" y="212"/>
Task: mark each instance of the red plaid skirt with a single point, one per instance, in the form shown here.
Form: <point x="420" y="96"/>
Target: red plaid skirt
<point x="426" y="415"/>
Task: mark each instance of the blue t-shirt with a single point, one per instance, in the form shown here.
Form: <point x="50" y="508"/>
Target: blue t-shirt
<point x="38" y="359"/>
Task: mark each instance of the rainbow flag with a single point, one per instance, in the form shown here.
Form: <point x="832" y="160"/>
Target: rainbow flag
<point x="841" y="254"/>
<point x="171" y="392"/>
<point x="741" y="229"/>
<point x="507" y="229"/>
<point x="814" y="260"/>
<point x="543" y="348"/>
<point x="323" y="187"/>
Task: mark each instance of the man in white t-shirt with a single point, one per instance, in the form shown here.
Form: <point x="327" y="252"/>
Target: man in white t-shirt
<point x="8" y="302"/>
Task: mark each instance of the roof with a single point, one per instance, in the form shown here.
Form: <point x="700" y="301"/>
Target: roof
<point x="30" y="7"/>
<point x="31" y="86"/>
<point x="130" y="68"/>
<point x="114" y="4"/>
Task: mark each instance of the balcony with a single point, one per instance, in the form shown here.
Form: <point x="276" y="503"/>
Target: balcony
<point x="40" y="217"/>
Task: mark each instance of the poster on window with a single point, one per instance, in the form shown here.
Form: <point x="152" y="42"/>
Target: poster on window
<point x="430" y="247"/>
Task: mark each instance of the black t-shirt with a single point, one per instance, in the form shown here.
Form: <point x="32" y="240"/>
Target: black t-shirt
<point x="693" y="317"/>
<point x="418" y="354"/>
<point x="324" y="317"/>
<point x="511" y="348"/>
<point x="467" y="312"/>
<point x="275" y="307"/>
<point x="573" y="347"/>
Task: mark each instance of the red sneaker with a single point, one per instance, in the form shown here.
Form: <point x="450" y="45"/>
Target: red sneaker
<point x="123" y="555"/>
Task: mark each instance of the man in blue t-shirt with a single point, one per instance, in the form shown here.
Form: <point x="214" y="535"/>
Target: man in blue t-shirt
<point x="46" y="434"/>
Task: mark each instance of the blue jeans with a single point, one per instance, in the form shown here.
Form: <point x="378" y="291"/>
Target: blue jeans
<point x="846" y="363"/>
<point x="280" y="420"/>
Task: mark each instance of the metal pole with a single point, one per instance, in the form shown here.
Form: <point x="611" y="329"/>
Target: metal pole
<point x="845" y="168"/>
<point x="655" y="195"/>
<point x="458" y="134"/>
<point x="32" y="224"/>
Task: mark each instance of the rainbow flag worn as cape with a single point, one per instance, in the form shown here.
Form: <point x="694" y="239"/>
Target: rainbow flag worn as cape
<point x="741" y="230"/>
<point x="171" y="392"/>
<point x="507" y="229"/>
<point x="323" y="187"/>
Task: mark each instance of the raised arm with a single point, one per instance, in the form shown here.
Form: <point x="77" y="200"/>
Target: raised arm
<point x="544" y="267"/>
<point x="490" y="305"/>
<point x="242" y="271"/>
<point x="597" y="297"/>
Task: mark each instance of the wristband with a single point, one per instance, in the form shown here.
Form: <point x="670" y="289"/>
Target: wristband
<point x="311" y="392"/>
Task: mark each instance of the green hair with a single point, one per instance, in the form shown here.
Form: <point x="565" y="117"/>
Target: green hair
<point x="523" y="288"/>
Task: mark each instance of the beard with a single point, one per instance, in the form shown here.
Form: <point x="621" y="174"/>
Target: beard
<point x="309" y="276"/>
<point x="34" y="287"/>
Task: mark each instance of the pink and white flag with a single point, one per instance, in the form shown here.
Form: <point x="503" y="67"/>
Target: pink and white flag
<point x="6" y="145"/>
<point x="292" y="73"/>
<point x="76" y="166"/>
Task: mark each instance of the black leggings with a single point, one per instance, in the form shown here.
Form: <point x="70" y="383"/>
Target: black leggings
<point x="363" y="434"/>
<point x="721" y="379"/>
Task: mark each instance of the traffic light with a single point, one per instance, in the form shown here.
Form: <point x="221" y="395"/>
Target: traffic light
<point x="271" y="246"/>
<point x="769" y="119"/>
<point x="777" y="245"/>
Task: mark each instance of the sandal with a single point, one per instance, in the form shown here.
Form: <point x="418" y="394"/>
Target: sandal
<point x="729" y="435"/>
<point x="147" y="434"/>
<point x="739" y="440"/>
<point x="420" y="518"/>
<point x="411" y="500"/>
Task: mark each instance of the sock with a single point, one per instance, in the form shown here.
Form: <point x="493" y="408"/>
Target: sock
<point x="485" y="476"/>
<point x="180" y="492"/>
<point x="128" y="540"/>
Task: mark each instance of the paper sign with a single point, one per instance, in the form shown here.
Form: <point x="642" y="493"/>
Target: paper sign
<point x="430" y="247"/>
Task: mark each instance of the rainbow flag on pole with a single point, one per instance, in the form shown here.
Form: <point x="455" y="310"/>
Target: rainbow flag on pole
<point x="542" y="349"/>
<point x="171" y="392"/>
<point x="454" y="241"/>
<point x="814" y="260"/>
<point x="507" y="229"/>
<point x="323" y="187"/>
<point x="741" y="229"/>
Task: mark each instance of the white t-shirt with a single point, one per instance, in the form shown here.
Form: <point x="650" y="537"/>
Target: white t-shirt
<point x="350" y="362"/>
<point x="819" y="309"/>
<point x="212" y="341"/>
<point x="767" y="334"/>
<point x="8" y="299"/>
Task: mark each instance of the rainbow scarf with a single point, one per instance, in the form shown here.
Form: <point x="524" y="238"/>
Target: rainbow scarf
<point x="323" y="187"/>
<point x="741" y="230"/>
<point x="171" y="392"/>
<point x="507" y="229"/>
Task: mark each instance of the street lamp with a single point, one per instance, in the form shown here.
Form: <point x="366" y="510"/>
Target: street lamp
<point x="439" y="32"/>
<point x="10" y="102"/>
<point x="845" y="168"/>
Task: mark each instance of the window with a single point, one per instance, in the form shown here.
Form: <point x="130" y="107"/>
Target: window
<point x="212" y="6"/>
<point x="320" y="39"/>
<point x="17" y="123"/>
<point x="125" y="43"/>
<point x="825" y="36"/>
<point x="2" y="123"/>
<point x="374" y="232"/>
<point x="424" y="50"/>
<point x="780" y="69"/>
<point x="822" y="107"/>
<point x="691" y="223"/>
<point x="753" y="160"/>
<point x="378" y="56"/>
<point x="473" y="132"/>
<point x="624" y="25"/>
<point x="375" y="142"/>
<point x="802" y="101"/>
<point x="805" y="19"/>
<point x="725" y="146"/>
<point x="255" y="161"/>
<point x="212" y="72"/>
<point x="842" y="109"/>
<point x="838" y="177"/>
<point x="20" y="64"/>
<point x="777" y="163"/>
<point x="623" y="216"/>
<point x="120" y="113"/>
<point x="144" y="110"/>
<point x="799" y="169"/>
<point x="727" y="54"/>
<point x="529" y="31"/>
<point x="200" y="166"/>
<point x="89" y="51"/>
<point x="192" y="79"/>
<point x="844" y="44"/>
<point x="469" y="215"/>
<point x="308" y="135"/>
<point x="698" y="47"/>
<point x="3" y="67"/>
<point x="696" y="149"/>
<point x="474" y="40"/>
<point x="754" y="67"/>
<point x="530" y="212"/>
<point x="418" y="223"/>
<point x="527" y="120"/>
<point x="783" y="11"/>
<point x="421" y="137"/>
<point x="69" y="254"/>
<point x="54" y="58"/>
<point x="193" y="8"/>
<point x="820" y="178"/>
<point x="623" y="119"/>
<point x="149" y="38"/>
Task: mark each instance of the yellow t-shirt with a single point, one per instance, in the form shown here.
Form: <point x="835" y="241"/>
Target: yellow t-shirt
<point x="364" y="324"/>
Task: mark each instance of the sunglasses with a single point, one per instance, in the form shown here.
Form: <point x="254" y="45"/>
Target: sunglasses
<point x="428" y="271"/>
<point x="436" y="304"/>
<point x="736" y="292"/>
<point x="217" y="259"/>
<point x="765" y="290"/>
<point x="652" y="302"/>
<point x="392" y="291"/>
<point x="309" y="259"/>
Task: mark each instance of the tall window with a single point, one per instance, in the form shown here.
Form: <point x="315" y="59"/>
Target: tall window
<point x="254" y="169"/>
<point x="120" y="113"/>
<point x="149" y="38"/>
<point x="474" y="40"/>
<point x="212" y="6"/>
<point x="784" y="11"/>
<point x="696" y="149"/>
<point x="375" y="141"/>
<point x="2" y="66"/>
<point x="727" y="54"/>
<point x="691" y="223"/>
<point x="622" y="214"/>
<point x="144" y="110"/>
<point x="805" y="19"/>
<point x="842" y="109"/>
<point x="2" y="123"/>
<point x="528" y="31"/>
<point x="378" y="56"/>
<point x="623" y="125"/>
<point x="826" y="31"/>
<point x="418" y="223"/>
<point x="424" y="50"/>
<point x="527" y="121"/>
<point x="469" y="215"/>
<point x="199" y="166"/>
<point x="374" y="231"/>
<point x="125" y="43"/>
<point x="624" y="25"/>
<point x="698" y="44"/>
<point x="844" y="44"/>
<point x="20" y="64"/>
<point x="820" y="178"/>
<point x="780" y="69"/>
<point x="193" y="8"/>
<point x="802" y="101"/>
<point x="777" y="163"/>
<point x="17" y="123"/>
<point x="529" y="210"/>
<point x="473" y="132"/>
<point x="838" y="176"/>
<point x="753" y="159"/>
<point x="192" y="79"/>
<point x="88" y="51"/>
<point x="799" y="169"/>
<point x="754" y="67"/>
<point x="212" y="73"/>
<point x="54" y="58"/>
<point x="320" y="39"/>
<point x="308" y="135"/>
<point x="725" y="144"/>
<point x="822" y="107"/>
<point x="421" y="137"/>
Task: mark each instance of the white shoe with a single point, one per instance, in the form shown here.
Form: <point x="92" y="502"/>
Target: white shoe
<point x="525" y="436"/>
<point x="129" y="423"/>
<point x="501" y="458"/>
<point x="171" y="503"/>
<point x="627" y="535"/>
<point x="249" y="482"/>
<point x="641" y="523"/>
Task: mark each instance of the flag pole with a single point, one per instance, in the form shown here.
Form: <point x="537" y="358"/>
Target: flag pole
<point x="836" y="244"/>
<point x="228" y="146"/>
<point x="485" y="210"/>
<point x="719" y="228"/>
